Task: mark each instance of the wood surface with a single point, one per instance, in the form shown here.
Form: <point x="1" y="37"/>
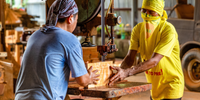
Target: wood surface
<point x="11" y="17"/>
<point x="103" y="70"/>
<point x="116" y="90"/>
<point x="185" y="11"/>
<point x="8" y="93"/>
<point x="90" y="54"/>
<point x="13" y="37"/>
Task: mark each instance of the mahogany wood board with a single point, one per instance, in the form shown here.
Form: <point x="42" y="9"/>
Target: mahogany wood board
<point x="103" y="70"/>
<point x="116" y="90"/>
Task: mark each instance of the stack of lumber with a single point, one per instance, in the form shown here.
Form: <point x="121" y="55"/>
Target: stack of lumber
<point x="15" y="18"/>
<point x="11" y="17"/>
<point x="13" y="36"/>
<point x="13" y="50"/>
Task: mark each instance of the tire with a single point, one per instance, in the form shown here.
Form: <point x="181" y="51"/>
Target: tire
<point x="191" y="69"/>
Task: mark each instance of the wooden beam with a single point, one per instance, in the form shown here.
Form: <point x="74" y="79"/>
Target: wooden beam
<point x="120" y="9"/>
<point x="2" y="20"/>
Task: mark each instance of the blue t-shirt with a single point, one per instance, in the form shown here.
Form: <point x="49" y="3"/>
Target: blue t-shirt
<point x="46" y="65"/>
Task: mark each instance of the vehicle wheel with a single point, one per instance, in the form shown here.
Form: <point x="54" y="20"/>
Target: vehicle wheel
<point x="191" y="69"/>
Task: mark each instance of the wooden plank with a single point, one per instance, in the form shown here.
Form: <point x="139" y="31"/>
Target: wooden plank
<point x="16" y="65"/>
<point x="13" y="36"/>
<point x="2" y="73"/>
<point x="90" y="54"/>
<point x="2" y="20"/>
<point x="17" y="54"/>
<point x="116" y="90"/>
<point x="18" y="34"/>
<point x="104" y="71"/>
<point x="3" y="54"/>
<point x="9" y="89"/>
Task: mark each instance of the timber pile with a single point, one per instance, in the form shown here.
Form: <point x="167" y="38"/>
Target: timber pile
<point x="26" y="19"/>
<point x="11" y="19"/>
<point x="15" y="18"/>
<point x="14" y="51"/>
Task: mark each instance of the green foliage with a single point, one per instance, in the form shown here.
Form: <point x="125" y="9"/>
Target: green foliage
<point x="99" y="30"/>
<point x="8" y="1"/>
<point x="119" y="29"/>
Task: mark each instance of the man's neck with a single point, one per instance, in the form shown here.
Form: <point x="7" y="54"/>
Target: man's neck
<point x="62" y="26"/>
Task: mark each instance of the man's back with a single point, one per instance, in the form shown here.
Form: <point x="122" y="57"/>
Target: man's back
<point x="46" y="65"/>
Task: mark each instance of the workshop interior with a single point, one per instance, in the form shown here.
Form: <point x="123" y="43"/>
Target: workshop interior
<point x="104" y="30"/>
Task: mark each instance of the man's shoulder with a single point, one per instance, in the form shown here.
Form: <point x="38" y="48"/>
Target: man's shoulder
<point x="167" y="26"/>
<point x="138" y="26"/>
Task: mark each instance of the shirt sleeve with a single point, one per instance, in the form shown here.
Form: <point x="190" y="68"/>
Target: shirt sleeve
<point x="76" y="63"/>
<point x="134" y="41"/>
<point x="167" y="41"/>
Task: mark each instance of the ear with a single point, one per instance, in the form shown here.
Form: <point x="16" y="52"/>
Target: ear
<point x="70" y="19"/>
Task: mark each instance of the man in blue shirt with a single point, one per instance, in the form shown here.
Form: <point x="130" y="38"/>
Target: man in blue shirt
<point x="51" y="53"/>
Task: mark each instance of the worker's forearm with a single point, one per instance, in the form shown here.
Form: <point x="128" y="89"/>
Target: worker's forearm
<point x="71" y="79"/>
<point x="141" y="67"/>
<point x="127" y="62"/>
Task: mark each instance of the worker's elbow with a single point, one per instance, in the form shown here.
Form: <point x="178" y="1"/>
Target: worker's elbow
<point x="83" y="83"/>
<point x="153" y="62"/>
<point x="83" y="80"/>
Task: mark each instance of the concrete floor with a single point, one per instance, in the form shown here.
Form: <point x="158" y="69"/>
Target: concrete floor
<point x="188" y="95"/>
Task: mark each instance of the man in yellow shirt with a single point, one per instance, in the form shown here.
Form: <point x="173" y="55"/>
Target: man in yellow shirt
<point x="157" y="41"/>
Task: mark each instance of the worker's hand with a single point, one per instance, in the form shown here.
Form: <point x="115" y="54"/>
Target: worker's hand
<point x="119" y="76"/>
<point x="93" y="76"/>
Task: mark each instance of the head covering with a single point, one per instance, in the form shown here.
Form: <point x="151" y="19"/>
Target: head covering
<point x="157" y="6"/>
<point x="59" y="9"/>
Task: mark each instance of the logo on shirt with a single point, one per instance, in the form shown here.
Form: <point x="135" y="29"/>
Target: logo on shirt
<point x="155" y="73"/>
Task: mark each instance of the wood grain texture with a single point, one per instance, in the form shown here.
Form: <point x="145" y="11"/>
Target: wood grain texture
<point x="104" y="71"/>
<point x="90" y="54"/>
<point x="8" y="93"/>
<point x="116" y="90"/>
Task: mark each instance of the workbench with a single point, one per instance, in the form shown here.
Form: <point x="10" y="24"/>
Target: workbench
<point x="109" y="92"/>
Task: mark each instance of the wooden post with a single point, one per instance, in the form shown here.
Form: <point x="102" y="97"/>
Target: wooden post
<point x="8" y="78"/>
<point x="2" y="20"/>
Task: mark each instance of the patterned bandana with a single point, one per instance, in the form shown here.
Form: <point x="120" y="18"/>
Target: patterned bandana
<point x="151" y="22"/>
<point x="59" y="9"/>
